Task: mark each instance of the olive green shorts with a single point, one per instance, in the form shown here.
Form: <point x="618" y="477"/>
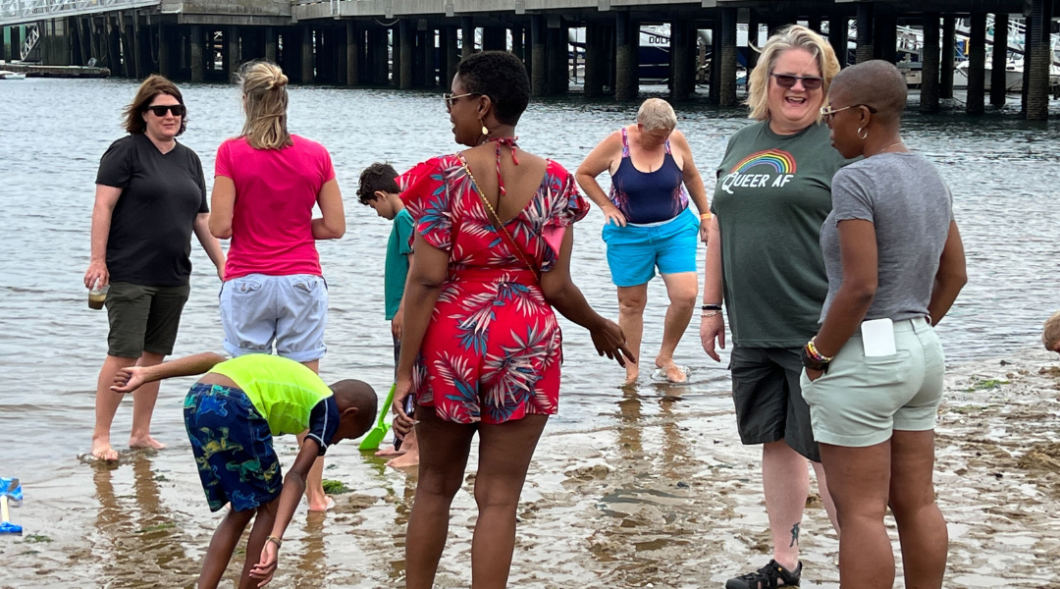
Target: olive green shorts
<point x="862" y="400"/>
<point x="143" y="318"/>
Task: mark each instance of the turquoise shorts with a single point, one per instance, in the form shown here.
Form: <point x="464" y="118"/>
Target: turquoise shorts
<point x="862" y="400"/>
<point x="633" y="252"/>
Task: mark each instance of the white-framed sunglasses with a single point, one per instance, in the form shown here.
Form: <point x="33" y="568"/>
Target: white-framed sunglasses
<point x="450" y="99"/>
<point x="829" y="112"/>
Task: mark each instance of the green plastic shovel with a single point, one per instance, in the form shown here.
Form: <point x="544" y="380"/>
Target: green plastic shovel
<point x="375" y="437"/>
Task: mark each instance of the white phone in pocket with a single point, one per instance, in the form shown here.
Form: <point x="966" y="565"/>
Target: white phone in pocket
<point x="878" y="337"/>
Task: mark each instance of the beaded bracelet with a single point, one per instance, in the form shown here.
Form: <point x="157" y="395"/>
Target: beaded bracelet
<point x="811" y="349"/>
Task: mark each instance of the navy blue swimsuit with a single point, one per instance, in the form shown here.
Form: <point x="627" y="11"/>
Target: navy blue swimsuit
<point x="648" y="197"/>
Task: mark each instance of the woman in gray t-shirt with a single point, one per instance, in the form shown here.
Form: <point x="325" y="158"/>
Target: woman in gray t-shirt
<point x="874" y="371"/>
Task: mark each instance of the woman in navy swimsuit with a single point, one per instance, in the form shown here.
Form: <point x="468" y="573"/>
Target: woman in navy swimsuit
<point x="648" y="224"/>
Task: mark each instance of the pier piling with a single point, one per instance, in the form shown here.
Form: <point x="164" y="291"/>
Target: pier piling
<point x="727" y="66"/>
<point x="681" y="88"/>
<point x="1036" y="70"/>
<point x="198" y="60"/>
<point x="467" y="36"/>
<point x="866" y="28"/>
<point x="929" y="85"/>
<point x="931" y="60"/>
<point x="539" y="62"/>
<point x="999" y="61"/>
<point x="405" y="57"/>
<point x="624" y="84"/>
<point x="977" y="65"/>
<point x="452" y="56"/>
<point x="839" y="37"/>
<point x="949" y="56"/>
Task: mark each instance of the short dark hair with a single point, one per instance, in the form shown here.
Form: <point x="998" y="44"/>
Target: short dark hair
<point x="501" y="76"/>
<point x="377" y="177"/>
<point x="150" y="88"/>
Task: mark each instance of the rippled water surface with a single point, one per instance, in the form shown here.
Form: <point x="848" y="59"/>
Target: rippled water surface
<point x="1004" y="174"/>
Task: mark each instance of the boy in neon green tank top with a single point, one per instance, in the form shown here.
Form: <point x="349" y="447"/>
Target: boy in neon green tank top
<point x="231" y="415"/>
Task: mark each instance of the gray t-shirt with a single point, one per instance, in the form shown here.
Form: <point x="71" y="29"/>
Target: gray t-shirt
<point x="911" y="207"/>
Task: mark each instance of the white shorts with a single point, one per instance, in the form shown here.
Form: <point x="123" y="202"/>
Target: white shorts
<point x="292" y="311"/>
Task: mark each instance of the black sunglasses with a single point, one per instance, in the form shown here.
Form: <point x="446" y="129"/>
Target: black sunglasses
<point x="808" y="82"/>
<point x="160" y="110"/>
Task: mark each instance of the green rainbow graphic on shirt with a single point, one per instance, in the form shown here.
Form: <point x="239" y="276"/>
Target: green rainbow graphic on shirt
<point x="781" y="169"/>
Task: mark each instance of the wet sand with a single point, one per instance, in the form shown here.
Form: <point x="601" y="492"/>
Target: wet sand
<point x="658" y="493"/>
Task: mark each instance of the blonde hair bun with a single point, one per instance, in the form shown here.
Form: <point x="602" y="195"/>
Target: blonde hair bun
<point x="265" y="99"/>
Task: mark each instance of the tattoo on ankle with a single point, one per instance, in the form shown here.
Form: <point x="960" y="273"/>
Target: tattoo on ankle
<point x="794" y="536"/>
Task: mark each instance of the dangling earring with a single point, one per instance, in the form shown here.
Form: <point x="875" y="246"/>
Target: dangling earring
<point x="485" y="131"/>
<point x="860" y="136"/>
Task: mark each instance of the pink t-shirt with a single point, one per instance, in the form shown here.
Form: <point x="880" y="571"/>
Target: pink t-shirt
<point x="276" y="190"/>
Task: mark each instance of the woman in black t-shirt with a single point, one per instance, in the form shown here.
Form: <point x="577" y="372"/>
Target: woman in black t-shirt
<point x="150" y="196"/>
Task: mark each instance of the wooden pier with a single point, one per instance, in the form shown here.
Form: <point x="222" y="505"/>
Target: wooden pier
<point x="417" y="44"/>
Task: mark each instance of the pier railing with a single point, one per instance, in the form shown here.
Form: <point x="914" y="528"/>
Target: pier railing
<point x="14" y="12"/>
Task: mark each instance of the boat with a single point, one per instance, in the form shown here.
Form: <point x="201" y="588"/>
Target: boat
<point x="1013" y="75"/>
<point x="6" y="75"/>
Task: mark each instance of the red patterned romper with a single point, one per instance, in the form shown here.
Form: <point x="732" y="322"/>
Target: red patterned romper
<point x="492" y="350"/>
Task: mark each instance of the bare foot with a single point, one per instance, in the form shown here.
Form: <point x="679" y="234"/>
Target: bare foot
<point x="406" y="460"/>
<point x="324" y="505"/>
<point x="631" y="378"/>
<point x="390" y="452"/>
<point x="101" y="450"/>
<point x="672" y="372"/>
<point x="147" y="443"/>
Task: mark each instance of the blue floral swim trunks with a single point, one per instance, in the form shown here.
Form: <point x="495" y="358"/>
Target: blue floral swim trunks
<point x="233" y="448"/>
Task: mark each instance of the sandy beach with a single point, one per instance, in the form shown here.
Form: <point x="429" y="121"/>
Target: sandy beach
<point x="657" y="494"/>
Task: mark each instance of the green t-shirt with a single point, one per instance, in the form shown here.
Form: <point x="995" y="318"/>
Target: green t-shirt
<point x="283" y="391"/>
<point x="772" y="196"/>
<point x="397" y="262"/>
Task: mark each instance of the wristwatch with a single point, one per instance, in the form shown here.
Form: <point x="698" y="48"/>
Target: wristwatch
<point x="813" y="363"/>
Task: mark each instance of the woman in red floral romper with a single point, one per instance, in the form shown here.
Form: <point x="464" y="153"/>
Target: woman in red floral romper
<point x="481" y="347"/>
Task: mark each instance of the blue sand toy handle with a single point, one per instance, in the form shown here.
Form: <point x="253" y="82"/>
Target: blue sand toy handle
<point x="11" y="488"/>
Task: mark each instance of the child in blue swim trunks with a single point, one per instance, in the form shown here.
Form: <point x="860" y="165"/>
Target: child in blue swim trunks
<point x="232" y="414"/>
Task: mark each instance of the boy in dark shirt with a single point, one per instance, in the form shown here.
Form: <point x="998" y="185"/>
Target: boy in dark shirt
<point x="231" y="415"/>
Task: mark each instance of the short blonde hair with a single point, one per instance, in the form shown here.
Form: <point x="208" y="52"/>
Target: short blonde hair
<point x="656" y="113"/>
<point x="1051" y="334"/>
<point x="265" y="93"/>
<point x="791" y="37"/>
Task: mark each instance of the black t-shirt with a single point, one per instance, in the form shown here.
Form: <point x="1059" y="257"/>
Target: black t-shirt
<point x="150" y="230"/>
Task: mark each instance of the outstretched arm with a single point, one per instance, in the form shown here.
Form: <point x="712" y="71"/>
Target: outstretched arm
<point x="129" y="379"/>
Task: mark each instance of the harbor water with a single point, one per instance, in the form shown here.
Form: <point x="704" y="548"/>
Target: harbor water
<point x="629" y="488"/>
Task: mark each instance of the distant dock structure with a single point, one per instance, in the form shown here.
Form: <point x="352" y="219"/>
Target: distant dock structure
<point x="417" y="43"/>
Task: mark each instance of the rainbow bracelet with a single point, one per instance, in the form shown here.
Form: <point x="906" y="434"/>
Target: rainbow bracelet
<point x="811" y="350"/>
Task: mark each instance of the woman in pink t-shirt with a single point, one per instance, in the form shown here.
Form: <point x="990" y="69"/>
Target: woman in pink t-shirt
<point x="266" y="183"/>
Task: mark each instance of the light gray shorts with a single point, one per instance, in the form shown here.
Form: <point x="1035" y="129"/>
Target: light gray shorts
<point x="862" y="400"/>
<point x="292" y="311"/>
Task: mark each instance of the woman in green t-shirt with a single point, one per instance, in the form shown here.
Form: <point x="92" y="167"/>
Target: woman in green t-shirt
<point x="772" y="196"/>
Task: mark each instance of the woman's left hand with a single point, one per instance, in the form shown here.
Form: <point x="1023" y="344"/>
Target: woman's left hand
<point x="813" y="374"/>
<point x="704" y="230"/>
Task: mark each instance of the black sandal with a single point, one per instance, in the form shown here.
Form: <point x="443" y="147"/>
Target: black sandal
<point x="767" y="577"/>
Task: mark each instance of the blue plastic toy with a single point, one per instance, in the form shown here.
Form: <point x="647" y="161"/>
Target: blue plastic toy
<point x="10" y="496"/>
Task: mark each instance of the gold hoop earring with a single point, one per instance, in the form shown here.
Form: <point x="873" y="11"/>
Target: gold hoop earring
<point x="860" y="136"/>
